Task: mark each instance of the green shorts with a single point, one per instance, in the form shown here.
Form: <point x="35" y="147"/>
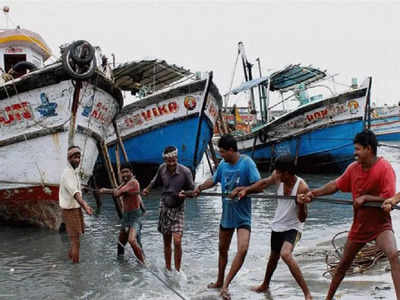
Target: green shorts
<point x="132" y="219"/>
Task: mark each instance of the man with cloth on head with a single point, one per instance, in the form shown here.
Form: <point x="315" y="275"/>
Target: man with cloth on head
<point x="288" y="221"/>
<point x="174" y="179"/>
<point x="131" y="224"/>
<point x="369" y="179"/>
<point x="70" y="201"/>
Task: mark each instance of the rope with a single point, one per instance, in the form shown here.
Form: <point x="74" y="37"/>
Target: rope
<point x="365" y="259"/>
<point x="89" y="120"/>
<point x="376" y="204"/>
<point x="319" y="199"/>
<point x="41" y="173"/>
<point x="146" y="266"/>
<point x="389" y="146"/>
<point x="27" y="183"/>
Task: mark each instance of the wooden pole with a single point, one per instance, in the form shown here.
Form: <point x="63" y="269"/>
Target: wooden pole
<point x="201" y="114"/>
<point x="111" y="174"/>
<point x="121" y="144"/>
<point x="209" y="163"/>
<point x="118" y="162"/>
<point x="74" y="109"/>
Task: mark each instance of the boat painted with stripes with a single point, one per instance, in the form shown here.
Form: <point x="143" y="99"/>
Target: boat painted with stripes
<point x="318" y="132"/>
<point x="385" y="122"/>
<point x="183" y="116"/>
<point x="43" y="110"/>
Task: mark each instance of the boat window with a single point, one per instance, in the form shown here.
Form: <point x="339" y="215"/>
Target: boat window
<point x="11" y="59"/>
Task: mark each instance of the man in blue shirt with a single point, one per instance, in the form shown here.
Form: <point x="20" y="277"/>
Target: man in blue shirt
<point x="233" y="171"/>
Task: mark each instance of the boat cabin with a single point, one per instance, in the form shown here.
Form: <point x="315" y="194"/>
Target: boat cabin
<point x="21" y="45"/>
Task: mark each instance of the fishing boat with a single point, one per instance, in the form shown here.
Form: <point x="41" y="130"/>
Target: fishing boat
<point x="43" y="110"/>
<point x="385" y="122"/>
<point x="318" y="132"/>
<point x="181" y="110"/>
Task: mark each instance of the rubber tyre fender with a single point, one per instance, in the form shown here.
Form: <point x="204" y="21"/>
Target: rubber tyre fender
<point x="22" y="66"/>
<point x="67" y="62"/>
<point x="81" y="60"/>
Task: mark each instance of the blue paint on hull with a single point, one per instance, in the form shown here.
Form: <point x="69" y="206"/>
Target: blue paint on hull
<point x="387" y="129"/>
<point x="389" y="137"/>
<point x="147" y="148"/>
<point x="321" y="150"/>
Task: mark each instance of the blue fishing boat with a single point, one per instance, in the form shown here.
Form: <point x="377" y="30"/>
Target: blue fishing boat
<point x="181" y="110"/>
<point x="385" y="122"/>
<point x="319" y="132"/>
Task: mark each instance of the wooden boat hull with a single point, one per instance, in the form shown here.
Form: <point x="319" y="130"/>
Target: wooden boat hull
<point x="35" y="131"/>
<point x="385" y="123"/>
<point x="175" y="117"/>
<point x="319" y="135"/>
<point x="37" y="205"/>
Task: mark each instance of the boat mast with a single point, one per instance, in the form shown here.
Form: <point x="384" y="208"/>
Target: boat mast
<point x="262" y="95"/>
<point x="247" y="75"/>
<point x="6" y="10"/>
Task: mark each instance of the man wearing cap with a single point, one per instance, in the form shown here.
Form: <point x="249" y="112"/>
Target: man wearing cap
<point x="70" y="200"/>
<point x="174" y="178"/>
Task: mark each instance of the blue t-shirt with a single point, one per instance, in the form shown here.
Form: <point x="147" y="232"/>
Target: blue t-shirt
<point x="244" y="172"/>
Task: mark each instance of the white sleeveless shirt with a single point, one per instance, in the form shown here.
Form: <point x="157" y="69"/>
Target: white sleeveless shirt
<point x="286" y="212"/>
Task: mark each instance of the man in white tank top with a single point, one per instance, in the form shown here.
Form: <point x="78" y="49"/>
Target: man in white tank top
<point x="288" y="221"/>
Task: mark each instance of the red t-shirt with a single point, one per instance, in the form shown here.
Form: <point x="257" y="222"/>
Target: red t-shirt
<point x="379" y="180"/>
<point x="130" y="195"/>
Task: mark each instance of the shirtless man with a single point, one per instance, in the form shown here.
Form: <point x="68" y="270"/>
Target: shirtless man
<point x="131" y="224"/>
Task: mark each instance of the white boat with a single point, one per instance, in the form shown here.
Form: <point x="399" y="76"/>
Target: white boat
<point x="43" y="110"/>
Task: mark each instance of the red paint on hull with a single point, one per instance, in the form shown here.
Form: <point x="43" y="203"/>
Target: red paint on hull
<point x="35" y="205"/>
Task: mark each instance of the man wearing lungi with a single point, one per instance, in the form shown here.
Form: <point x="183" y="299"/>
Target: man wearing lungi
<point x="70" y="201"/>
<point x="174" y="178"/>
<point x="131" y="223"/>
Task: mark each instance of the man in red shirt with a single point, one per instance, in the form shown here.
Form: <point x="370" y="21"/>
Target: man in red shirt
<point x="369" y="179"/>
<point x="131" y="224"/>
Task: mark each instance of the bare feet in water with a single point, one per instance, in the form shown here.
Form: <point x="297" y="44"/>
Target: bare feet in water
<point x="214" y="285"/>
<point x="225" y="294"/>
<point x="259" y="288"/>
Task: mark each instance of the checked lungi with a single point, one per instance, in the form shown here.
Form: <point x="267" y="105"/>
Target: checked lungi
<point x="171" y="220"/>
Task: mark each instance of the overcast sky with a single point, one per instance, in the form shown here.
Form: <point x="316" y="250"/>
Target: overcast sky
<point x="353" y="38"/>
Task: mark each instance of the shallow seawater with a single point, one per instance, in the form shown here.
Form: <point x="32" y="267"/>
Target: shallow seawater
<point x="34" y="264"/>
